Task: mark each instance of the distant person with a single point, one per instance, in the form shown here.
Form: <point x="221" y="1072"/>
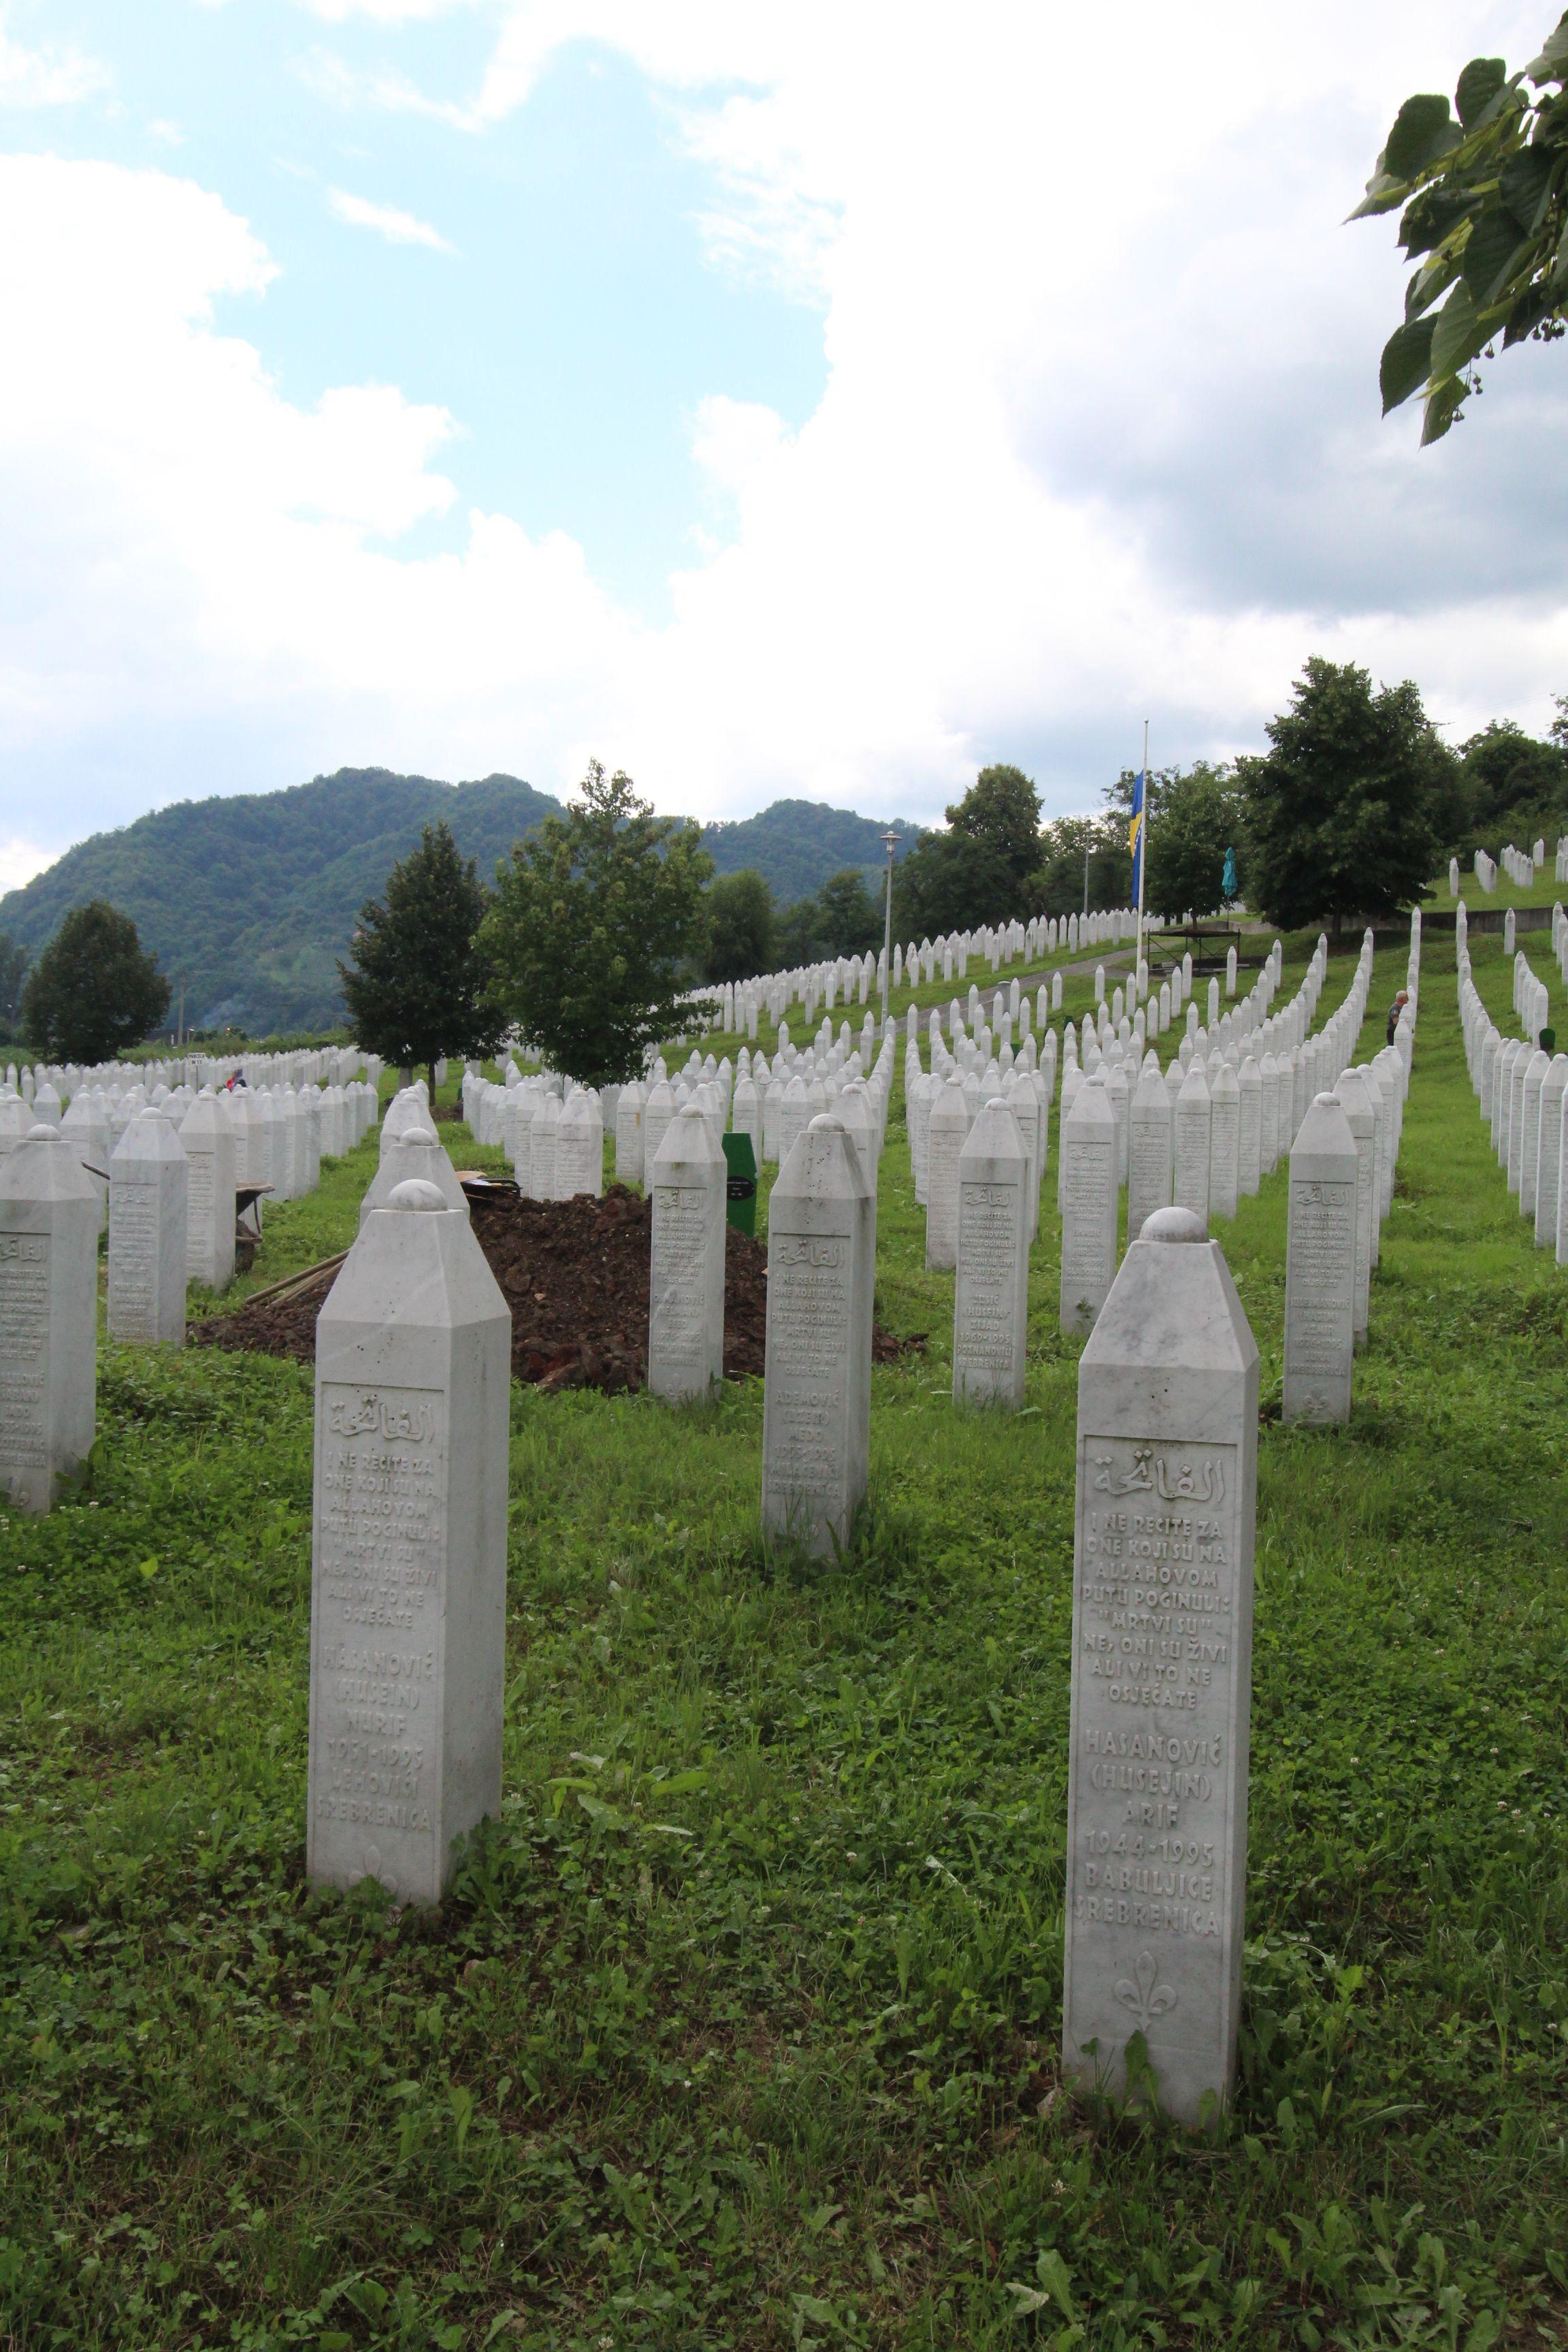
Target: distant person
<point x="1395" y="1009"/>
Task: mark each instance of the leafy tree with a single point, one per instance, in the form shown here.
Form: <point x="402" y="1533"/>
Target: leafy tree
<point x="848" y="916"/>
<point x="845" y="917"/>
<point x="593" y="924"/>
<point x="1057" y="885"/>
<point x="1509" y="780"/>
<point x="1340" y="812"/>
<point x="13" y="969"/>
<point x="416" y="986"/>
<point x="1485" y="214"/>
<point x="980" y="869"/>
<point x="742" y="926"/>
<point x="94" y="991"/>
<point x="1196" y="818"/>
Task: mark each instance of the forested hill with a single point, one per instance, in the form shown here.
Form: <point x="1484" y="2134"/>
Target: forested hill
<point x="798" y="844"/>
<point x="252" y="897"/>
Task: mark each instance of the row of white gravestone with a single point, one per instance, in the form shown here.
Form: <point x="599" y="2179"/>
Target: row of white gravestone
<point x="738" y="1004"/>
<point x="407" y="1638"/>
<point x="170" y="1179"/>
<point x="1522" y="1090"/>
<point x="1198" y="1136"/>
<point x="1532" y="998"/>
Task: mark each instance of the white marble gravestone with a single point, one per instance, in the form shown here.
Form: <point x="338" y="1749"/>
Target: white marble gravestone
<point x="1549" y="1163"/>
<point x="1357" y="1104"/>
<point x="991" y="1295"/>
<point x="408" y="1576"/>
<point x="579" y="1147"/>
<point x="149" y="1176"/>
<point x="49" y="1318"/>
<point x="1319" y="1266"/>
<point x="542" y="1139"/>
<point x="1249" y="1138"/>
<point x="1149" y="1149"/>
<point x="1225" y="1141"/>
<point x="817" y="1411"/>
<point x="1090" y="1203"/>
<point x="629" y="1135"/>
<point x="208" y="1140"/>
<point x="1190" y="1130"/>
<point x="947" y="1126"/>
<point x="686" y="1280"/>
<point x="1161" y="1677"/>
<point x="416" y="1151"/>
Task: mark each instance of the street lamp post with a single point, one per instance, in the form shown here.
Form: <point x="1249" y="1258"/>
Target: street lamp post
<point x="889" y="842"/>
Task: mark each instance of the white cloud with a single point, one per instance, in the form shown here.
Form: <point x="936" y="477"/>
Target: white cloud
<point x="398" y="228"/>
<point x="59" y="74"/>
<point x="1099" y="440"/>
<point x="21" y="859"/>
<point x="330" y="78"/>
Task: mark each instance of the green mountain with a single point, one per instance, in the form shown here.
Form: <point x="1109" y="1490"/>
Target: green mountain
<point x="798" y="844"/>
<point x="250" y="900"/>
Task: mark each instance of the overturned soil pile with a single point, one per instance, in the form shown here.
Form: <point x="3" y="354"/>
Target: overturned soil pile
<point x="575" y="1276"/>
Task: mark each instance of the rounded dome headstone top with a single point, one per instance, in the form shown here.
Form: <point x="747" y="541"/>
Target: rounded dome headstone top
<point x="415" y="1193"/>
<point x="1173" y="1225"/>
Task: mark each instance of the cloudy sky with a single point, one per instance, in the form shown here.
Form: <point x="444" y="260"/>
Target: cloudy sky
<point x="811" y="399"/>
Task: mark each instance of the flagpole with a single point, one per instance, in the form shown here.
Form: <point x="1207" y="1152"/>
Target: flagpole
<point x="1142" y="864"/>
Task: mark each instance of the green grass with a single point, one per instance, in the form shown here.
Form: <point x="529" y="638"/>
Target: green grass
<point x="742" y="2026"/>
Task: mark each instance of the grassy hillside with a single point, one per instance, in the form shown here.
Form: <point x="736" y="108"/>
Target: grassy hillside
<point x="741" y="2030"/>
<point x="252" y="896"/>
<point x="798" y="844"/>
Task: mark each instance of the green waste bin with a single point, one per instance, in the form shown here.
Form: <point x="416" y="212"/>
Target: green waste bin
<point x="741" y="1190"/>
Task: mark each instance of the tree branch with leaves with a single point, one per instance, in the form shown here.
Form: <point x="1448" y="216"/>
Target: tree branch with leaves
<point x="1485" y="217"/>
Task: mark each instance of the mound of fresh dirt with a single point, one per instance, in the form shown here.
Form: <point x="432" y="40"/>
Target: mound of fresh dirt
<point x="575" y="1276"/>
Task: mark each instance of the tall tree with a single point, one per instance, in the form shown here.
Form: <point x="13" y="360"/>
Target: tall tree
<point x="13" y="970"/>
<point x="979" y="870"/>
<point x="416" y="985"/>
<point x="1076" y="853"/>
<point x="742" y="926"/>
<point x="1197" y="817"/>
<point x="1509" y="782"/>
<point x="1485" y="216"/>
<point x="1340" y="812"/>
<point x="595" y="925"/>
<point x="94" y="991"/>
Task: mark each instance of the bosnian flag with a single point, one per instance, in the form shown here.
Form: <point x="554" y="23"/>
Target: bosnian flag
<point x="1135" y="838"/>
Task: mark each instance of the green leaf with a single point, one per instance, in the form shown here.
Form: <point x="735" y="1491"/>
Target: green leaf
<point x="1493" y="246"/>
<point x="1524" y="185"/>
<point x="1433" y="277"/>
<point x="1052" y="2273"/>
<point x="1406" y="362"/>
<point x="1479" y="84"/>
<point x="1422" y="132"/>
<point x="1552" y="64"/>
<point x="1459" y="333"/>
<point x="1442" y="407"/>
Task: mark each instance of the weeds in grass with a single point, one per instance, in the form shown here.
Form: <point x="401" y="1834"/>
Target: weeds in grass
<point x="739" y="2028"/>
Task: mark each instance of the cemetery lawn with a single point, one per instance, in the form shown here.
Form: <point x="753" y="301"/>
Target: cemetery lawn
<point x="740" y="2028"/>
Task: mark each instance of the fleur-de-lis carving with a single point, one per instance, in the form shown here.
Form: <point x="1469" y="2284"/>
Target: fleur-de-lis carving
<point x="373" y="1869"/>
<point x="1146" y="2000"/>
